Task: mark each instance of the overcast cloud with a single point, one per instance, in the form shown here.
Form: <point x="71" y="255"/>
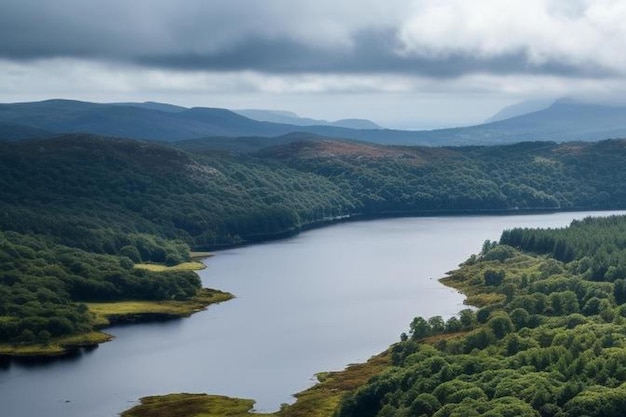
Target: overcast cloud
<point x="211" y="52"/>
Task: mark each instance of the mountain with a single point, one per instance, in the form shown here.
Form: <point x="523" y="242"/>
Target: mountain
<point x="520" y="109"/>
<point x="287" y="117"/>
<point x="149" y="121"/>
<point x="14" y="132"/>
<point x="563" y="121"/>
<point x="355" y="124"/>
<point x="152" y="105"/>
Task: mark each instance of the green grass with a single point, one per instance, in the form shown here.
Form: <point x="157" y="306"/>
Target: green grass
<point x="105" y="312"/>
<point x="192" y="405"/>
<point x="200" y="255"/>
<point x="57" y="346"/>
<point x="185" y="266"/>
<point x="323" y="398"/>
<point x="469" y="278"/>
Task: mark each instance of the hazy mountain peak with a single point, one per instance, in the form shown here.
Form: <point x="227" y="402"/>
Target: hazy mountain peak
<point x="291" y="118"/>
<point x="521" y="108"/>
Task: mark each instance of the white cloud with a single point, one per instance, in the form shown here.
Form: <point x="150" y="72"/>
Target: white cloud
<point x="576" y="33"/>
<point x="482" y="39"/>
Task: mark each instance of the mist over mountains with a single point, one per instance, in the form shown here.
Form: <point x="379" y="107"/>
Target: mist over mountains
<point x="287" y="117"/>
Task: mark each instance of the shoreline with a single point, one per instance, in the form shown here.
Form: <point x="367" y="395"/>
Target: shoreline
<point x="356" y="217"/>
<point x="322" y="399"/>
<point x="319" y="400"/>
<point x="108" y="315"/>
<point x="323" y="377"/>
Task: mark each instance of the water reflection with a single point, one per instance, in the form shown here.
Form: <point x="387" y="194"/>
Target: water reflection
<point x="72" y="355"/>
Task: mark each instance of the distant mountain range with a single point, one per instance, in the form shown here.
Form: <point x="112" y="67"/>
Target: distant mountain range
<point x="287" y="117"/>
<point x="564" y="120"/>
<point x="520" y="109"/>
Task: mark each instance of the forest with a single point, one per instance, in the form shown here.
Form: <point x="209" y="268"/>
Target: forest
<point x="547" y="339"/>
<point x="43" y="285"/>
<point x="77" y="212"/>
<point x="88" y="192"/>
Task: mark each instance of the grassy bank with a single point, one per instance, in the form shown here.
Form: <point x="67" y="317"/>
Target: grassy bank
<point x="321" y="400"/>
<point x="185" y="266"/>
<point x="56" y="347"/>
<point x="103" y="314"/>
<point x="106" y="314"/>
<point x="125" y="311"/>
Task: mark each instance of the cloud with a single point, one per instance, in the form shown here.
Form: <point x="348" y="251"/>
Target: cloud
<point x="580" y="35"/>
<point x="433" y="38"/>
<point x="394" y="60"/>
<point x="124" y="29"/>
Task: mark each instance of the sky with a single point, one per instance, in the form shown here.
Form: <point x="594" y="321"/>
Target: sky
<point x="401" y="63"/>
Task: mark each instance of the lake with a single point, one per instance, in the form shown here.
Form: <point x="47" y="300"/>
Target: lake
<point x="315" y="302"/>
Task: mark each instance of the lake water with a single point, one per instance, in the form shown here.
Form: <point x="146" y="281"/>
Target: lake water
<point x="316" y="302"/>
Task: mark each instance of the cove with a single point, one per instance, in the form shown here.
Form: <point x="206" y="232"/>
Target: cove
<point x="314" y="302"/>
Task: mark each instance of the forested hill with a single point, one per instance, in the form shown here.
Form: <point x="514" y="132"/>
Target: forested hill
<point x="531" y="175"/>
<point x="548" y="340"/>
<point x="77" y="212"/>
<point x="86" y="190"/>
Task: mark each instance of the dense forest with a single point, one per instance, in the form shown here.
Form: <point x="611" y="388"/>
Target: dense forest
<point x="43" y="284"/>
<point x="89" y="192"/>
<point x="78" y="211"/>
<point x="547" y="340"/>
<point x="417" y="179"/>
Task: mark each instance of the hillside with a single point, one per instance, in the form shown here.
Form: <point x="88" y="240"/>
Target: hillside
<point x="138" y="121"/>
<point x="79" y="211"/>
<point x="538" y="175"/>
<point x="86" y="189"/>
<point x="520" y="109"/>
<point x="547" y="340"/>
<point x="563" y="121"/>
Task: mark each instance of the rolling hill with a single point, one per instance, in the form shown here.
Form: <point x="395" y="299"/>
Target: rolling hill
<point x="562" y="121"/>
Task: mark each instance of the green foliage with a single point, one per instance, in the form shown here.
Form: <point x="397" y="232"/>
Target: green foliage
<point x="493" y="278"/>
<point x="42" y="284"/>
<point x="556" y="347"/>
<point x="78" y="211"/>
<point x="407" y="180"/>
<point x="598" y="401"/>
<point x="93" y="193"/>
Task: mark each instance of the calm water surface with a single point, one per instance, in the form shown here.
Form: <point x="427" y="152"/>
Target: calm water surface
<point x="316" y="302"/>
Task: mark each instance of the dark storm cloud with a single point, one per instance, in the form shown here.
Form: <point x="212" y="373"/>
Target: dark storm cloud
<point x="269" y="36"/>
<point x="372" y="53"/>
